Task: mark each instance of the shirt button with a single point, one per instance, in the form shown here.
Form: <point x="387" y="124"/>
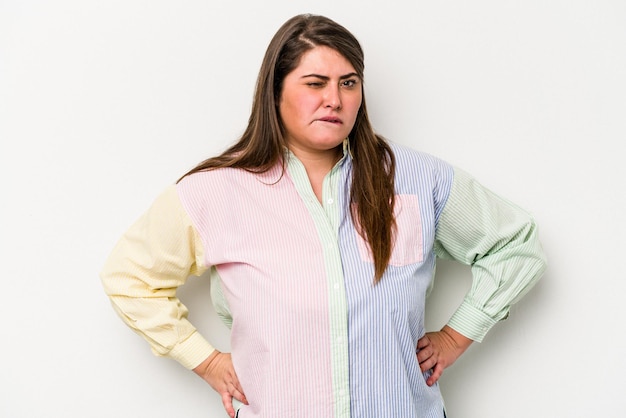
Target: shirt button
<point x="330" y="201"/>
<point x="336" y="286"/>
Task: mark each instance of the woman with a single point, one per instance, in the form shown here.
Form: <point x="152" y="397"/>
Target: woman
<point x="321" y="239"/>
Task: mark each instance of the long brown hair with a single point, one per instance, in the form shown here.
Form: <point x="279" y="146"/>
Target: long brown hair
<point x="262" y="144"/>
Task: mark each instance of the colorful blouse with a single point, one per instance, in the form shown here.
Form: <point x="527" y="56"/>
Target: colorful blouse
<point x="311" y="334"/>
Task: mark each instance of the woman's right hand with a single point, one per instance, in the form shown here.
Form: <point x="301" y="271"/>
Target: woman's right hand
<point x="218" y="371"/>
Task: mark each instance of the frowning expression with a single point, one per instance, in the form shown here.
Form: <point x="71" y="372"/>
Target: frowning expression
<point x="319" y="101"/>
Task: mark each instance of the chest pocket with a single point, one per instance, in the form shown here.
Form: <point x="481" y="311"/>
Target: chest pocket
<point x="408" y="245"/>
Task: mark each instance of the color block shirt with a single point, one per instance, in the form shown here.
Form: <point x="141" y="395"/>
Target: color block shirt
<point x="311" y="334"/>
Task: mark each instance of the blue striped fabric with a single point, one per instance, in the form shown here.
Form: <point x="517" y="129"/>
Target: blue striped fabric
<point x="386" y="320"/>
<point x="312" y="336"/>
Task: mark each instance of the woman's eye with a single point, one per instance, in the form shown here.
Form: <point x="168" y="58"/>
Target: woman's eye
<point x="314" y="84"/>
<point x="349" y="83"/>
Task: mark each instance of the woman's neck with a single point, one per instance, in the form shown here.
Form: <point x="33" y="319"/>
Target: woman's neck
<point x="317" y="165"/>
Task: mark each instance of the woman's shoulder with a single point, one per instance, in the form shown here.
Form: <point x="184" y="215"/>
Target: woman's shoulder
<point x="408" y="158"/>
<point x="226" y="181"/>
<point x="219" y="175"/>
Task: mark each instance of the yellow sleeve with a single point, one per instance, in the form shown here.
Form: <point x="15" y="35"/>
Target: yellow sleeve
<point x="151" y="260"/>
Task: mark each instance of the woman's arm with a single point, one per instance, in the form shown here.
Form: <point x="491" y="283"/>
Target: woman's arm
<point x="500" y="242"/>
<point x="151" y="260"/>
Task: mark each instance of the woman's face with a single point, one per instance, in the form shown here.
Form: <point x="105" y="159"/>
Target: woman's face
<point x="319" y="102"/>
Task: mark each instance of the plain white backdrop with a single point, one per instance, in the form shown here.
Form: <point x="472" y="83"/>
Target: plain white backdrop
<point x="103" y="104"/>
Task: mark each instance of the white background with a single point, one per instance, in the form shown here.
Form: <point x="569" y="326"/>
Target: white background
<point x="103" y="104"/>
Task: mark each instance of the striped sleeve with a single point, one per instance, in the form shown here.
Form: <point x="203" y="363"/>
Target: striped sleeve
<point x="151" y="260"/>
<point x="500" y="243"/>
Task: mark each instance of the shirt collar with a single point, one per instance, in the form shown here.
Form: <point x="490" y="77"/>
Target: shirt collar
<point x="346" y="149"/>
<point x="346" y="152"/>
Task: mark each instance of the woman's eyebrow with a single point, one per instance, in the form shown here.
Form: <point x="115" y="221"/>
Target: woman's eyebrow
<point x="326" y="78"/>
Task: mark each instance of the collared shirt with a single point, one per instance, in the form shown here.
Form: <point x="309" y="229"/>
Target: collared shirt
<point x="311" y="334"/>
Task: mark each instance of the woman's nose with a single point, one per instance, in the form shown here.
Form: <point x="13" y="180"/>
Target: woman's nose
<point x="333" y="98"/>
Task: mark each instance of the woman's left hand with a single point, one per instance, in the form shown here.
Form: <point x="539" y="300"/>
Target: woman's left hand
<point x="439" y="350"/>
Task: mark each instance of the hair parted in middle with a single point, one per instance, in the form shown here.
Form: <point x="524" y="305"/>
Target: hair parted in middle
<point x="263" y="143"/>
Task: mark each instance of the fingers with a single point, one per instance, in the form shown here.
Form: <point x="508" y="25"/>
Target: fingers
<point x="439" y="350"/>
<point x="218" y="371"/>
<point x="237" y="393"/>
<point x="428" y="357"/>
<point x="235" y="388"/>
<point x="228" y="396"/>
<point x="423" y="342"/>
<point x="428" y="363"/>
<point x="434" y="377"/>
<point x="227" y="400"/>
<point x="424" y="353"/>
<point x="233" y="391"/>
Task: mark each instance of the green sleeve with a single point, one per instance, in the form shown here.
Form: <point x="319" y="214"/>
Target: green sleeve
<point x="499" y="241"/>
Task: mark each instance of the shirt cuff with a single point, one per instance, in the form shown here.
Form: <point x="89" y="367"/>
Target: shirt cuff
<point x="471" y="322"/>
<point x="191" y="352"/>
